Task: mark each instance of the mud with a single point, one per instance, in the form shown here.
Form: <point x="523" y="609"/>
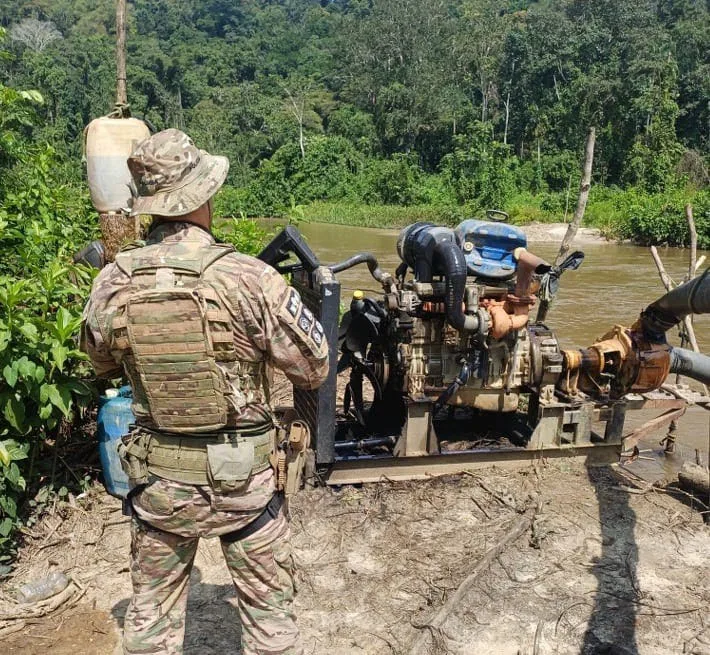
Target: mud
<point x="603" y="570"/>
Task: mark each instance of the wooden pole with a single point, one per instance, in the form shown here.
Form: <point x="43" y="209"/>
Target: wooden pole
<point x="572" y="228"/>
<point x="584" y="187"/>
<point x="121" y="91"/>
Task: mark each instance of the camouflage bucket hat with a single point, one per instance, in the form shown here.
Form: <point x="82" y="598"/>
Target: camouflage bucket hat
<point x="173" y="177"/>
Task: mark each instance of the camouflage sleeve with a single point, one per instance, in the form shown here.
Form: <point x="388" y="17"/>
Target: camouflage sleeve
<point x="92" y="342"/>
<point x="289" y="333"/>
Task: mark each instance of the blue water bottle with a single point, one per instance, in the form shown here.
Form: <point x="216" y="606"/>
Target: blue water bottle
<point x="115" y="417"/>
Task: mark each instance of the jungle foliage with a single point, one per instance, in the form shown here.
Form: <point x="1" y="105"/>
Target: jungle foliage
<point x="445" y="103"/>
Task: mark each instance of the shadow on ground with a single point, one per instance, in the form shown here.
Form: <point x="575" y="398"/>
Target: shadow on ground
<point x="612" y="626"/>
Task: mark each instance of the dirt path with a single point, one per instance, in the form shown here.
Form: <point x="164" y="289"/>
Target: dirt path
<point x="376" y="562"/>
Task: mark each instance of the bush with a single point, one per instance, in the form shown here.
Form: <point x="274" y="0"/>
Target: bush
<point x="480" y="170"/>
<point x="45" y="384"/>
<point x="558" y="168"/>
<point x="246" y="235"/>
<point x="653" y="219"/>
<point x="234" y="201"/>
<point x="327" y="172"/>
<point x="394" y="181"/>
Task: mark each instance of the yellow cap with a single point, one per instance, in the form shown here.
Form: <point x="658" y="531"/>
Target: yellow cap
<point x="358" y="295"/>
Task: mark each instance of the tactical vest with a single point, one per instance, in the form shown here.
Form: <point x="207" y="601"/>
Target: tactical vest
<point x="174" y="338"/>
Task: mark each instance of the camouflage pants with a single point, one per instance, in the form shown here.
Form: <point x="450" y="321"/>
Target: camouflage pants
<point x="261" y="567"/>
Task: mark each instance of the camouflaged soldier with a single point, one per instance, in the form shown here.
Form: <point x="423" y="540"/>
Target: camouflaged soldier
<point x="197" y="327"/>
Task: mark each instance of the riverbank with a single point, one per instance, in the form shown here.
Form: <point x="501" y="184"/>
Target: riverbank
<point x="618" y="215"/>
<point x="393" y="217"/>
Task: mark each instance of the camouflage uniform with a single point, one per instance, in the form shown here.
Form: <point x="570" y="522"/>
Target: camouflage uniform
<point x="270" y="328"/>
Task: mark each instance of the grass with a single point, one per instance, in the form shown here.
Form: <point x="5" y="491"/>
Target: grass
<point x="383" y="216"/>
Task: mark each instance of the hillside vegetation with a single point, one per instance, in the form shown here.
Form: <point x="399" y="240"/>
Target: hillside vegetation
<point x="455" y="105"/>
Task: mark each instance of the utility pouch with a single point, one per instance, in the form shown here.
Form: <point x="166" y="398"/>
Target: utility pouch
<point x="229" y="465"/>
<point x="133" y="453"/>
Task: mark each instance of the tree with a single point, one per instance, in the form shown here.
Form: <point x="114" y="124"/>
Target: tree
<point x="35" y="34"/>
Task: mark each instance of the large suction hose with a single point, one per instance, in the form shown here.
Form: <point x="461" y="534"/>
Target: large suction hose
<point x="690" y="364"/>
<point x="692" y="297"/>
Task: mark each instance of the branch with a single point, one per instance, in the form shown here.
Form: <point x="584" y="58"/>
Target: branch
<point x="517" y="529"/>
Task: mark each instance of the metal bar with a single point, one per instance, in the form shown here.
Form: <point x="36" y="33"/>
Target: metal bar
<point x="420" y="468"/>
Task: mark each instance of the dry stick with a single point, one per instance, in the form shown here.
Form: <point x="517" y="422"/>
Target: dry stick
<point x="693" y="240"/>
<point x="121" y="92"/>
<point x="572" y="228"/>
<point x="584" y="186"/>
<point x="518" y="528"/>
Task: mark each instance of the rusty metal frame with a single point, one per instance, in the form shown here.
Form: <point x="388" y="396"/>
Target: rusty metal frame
<point x="420" y="468"/>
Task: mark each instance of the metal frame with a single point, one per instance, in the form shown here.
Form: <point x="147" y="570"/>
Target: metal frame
<point x="564" y="429"/>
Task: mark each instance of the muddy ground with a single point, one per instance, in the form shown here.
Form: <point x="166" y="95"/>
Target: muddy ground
<point x="601" y="569"/>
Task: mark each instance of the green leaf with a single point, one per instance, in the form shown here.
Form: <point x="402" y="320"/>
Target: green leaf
<point x="39" y="374"/>
<point x="5" y="527"/>
<point x="25" y="367"/>
<point x="45" y="411"/>
<point x="66" y="324"/>
<point x="9" y="506"/>
<point x="79" y="387"/>
<point x="12" y="475"/>
<point x="60" y="397"/>
<point x="29" y="331"/>
<point x="4" y="340"/>
<point x="10" y="374"/>
<point x="16" y="450"/>
<point x="4" y="455"/>
<point x="59" y="355"/>
<point x="14" y="412"/>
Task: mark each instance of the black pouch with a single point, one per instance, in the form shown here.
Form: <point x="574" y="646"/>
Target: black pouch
<point x="133" y="453"/>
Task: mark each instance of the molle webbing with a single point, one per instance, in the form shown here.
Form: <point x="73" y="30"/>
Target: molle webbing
<point x="174" y="356"/>
<point x="184" y="459"/>
<point x="177" y="332"/>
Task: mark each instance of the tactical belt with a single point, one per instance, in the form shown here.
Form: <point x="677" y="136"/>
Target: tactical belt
<point x="184" y="459"/>
<point x="271" y="511"/>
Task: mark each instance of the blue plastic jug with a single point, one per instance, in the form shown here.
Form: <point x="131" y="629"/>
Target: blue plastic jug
<point x="115" y="417"/>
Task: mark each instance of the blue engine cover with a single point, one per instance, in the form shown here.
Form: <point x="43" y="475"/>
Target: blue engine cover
<point x="488" y="247"/>
<point x="113" y="422"/>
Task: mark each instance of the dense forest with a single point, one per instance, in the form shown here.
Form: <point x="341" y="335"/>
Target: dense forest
<point x="453" y="104"/>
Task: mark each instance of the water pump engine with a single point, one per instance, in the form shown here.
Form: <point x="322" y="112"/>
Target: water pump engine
<point x="447" y="361"/>
<point x="454" y="332"/>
